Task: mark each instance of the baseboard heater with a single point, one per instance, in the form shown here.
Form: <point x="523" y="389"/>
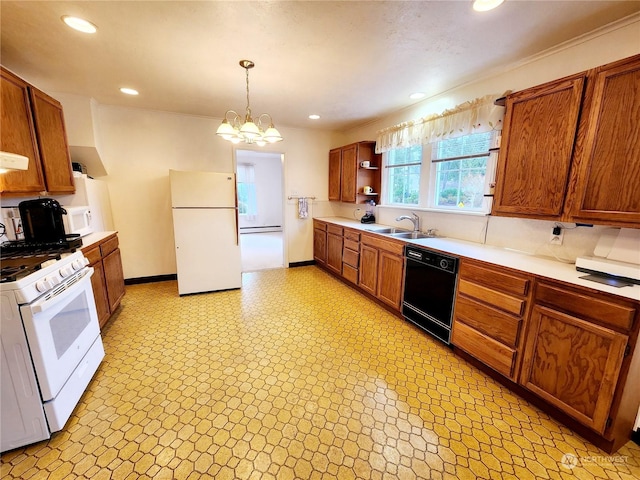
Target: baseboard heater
<point x="261" y="229"/>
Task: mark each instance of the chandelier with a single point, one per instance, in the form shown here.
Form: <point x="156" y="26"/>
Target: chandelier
<point x="233" y="129"/>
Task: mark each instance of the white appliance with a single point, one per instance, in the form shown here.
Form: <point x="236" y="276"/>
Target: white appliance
<point x="78" y="220"/>
<point x="93" y="194"/>
<point x="617" y="256"/>
<point x="205" y="228"/>
<point x="51" y="345"/>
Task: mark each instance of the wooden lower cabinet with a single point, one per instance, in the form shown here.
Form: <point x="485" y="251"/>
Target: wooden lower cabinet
<point x="573" y="364"/>
<point x="579" y="357"/>
<point x="351" y="255"/>
<point x="320" y="242"/>
<point x="334" y="248"/>
<point x="382" y="269"/>
<point x="108" y="277"/>
<point x="490" y="312"/>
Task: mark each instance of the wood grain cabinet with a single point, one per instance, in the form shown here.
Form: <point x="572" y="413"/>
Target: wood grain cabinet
<point x="536" y="151"/>
<point x="334" y="248"/>
<point x="382" y="268"/>
<point x="577" y="357"/>
<point x="351" y="255"/>
<point x="108" y="277"/>
<point x="607" y="160"/>
<point x="347" y="177"/>
<point x="320" y="242"/>
<point x="33" y="126"/>
<point x="570" y="149"/>
<point x="489" y="316"/>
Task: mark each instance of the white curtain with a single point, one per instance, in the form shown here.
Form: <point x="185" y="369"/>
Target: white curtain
<point x="475" y="116"/>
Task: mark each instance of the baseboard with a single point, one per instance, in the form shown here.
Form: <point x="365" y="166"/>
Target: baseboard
<point x="155" y="278"/>
<point x="302" y="264"/>
<point x="635" y="436"/>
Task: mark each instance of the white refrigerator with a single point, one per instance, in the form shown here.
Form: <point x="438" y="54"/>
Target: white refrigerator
<point x="205" y="228"/>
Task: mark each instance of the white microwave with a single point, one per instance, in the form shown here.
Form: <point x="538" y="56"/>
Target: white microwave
<point x="77" y="220"/>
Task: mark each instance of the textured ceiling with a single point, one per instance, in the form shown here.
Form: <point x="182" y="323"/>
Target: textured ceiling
<point x="349" y="62"/>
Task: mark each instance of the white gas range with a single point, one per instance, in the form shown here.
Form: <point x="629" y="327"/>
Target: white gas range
<point x="50" y="339"/>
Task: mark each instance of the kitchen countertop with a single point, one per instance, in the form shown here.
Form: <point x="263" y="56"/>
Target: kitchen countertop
<point x="95" y="237"/>
<point x="540" y="266"/>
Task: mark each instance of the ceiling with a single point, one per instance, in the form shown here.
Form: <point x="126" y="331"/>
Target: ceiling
<point x="349" y="62"/>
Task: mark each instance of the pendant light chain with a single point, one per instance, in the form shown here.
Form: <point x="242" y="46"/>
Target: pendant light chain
<point x="248" y="116"/>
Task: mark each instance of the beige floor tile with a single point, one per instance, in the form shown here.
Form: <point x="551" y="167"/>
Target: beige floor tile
<point x="296" y="376"/>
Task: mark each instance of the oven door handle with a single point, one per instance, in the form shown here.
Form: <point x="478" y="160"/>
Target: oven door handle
<point x="67" y="288"/>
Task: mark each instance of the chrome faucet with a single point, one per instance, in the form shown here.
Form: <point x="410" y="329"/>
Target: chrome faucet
<point x="415" y="219"/>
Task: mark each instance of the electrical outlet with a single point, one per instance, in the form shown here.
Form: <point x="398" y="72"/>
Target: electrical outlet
<point x="557" y="235"/>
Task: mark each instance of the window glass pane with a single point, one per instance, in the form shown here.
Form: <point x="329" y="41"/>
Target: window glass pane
<point x="403" y="156"/>
<point x="404" y="184"/>
<point x="460" y="183"/>
<point x="247" y="201"/>
<point x="404" y="167"/>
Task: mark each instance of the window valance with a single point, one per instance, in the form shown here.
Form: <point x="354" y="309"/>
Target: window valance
<point x="475" y="116"/>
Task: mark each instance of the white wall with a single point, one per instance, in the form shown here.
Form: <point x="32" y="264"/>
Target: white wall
<point x="140" y="146"/>
<point x="532" y="236"/>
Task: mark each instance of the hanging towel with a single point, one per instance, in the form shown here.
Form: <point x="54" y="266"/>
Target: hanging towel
<point x="303" y="208"/>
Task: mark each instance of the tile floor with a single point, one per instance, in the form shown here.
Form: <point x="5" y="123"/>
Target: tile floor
<point x="296" y="376"/>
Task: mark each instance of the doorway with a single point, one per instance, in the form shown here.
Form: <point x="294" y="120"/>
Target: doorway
<point x="260" y="209"/>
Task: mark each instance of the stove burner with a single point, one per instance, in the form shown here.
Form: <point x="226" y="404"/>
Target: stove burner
<point x="21" y="258"/>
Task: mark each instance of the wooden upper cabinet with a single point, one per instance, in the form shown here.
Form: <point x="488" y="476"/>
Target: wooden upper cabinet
<point x="18" y="136"/>
<point x="535" y="157"/>
<point x="33" y="126"/>
<point x="335" y="174"/>
<point x="349" y="173"/>
<point x="52" y="140"/>
<point x="608" y="161"/>
<point x="347" y="178"/>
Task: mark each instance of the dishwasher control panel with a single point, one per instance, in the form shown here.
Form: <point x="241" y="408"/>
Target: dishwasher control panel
<point x="438" y="260"/>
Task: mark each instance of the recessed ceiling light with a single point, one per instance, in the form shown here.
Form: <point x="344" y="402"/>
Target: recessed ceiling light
<point x="485" y="5"/>
<point x="129" y="91"/>
<point x="416" y="96"/>
<point x="314" y="117"/>
<point x="79" y="24"/>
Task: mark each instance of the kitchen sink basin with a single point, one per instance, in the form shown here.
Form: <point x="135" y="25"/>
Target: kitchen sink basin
<point x="389" y="231"/>
<point x="411" y="235"/>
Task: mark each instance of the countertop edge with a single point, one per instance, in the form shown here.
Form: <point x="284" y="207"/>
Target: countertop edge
<point x="95" y="237"/>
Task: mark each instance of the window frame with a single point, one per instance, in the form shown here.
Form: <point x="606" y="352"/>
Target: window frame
<point x="428" y="182"/>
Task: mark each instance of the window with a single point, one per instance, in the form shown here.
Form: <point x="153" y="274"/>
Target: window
<point x="247" y="204"/>
<point x="403" y="176"/>
<point x="461" y="164"/>
<point x="456" y="180"/>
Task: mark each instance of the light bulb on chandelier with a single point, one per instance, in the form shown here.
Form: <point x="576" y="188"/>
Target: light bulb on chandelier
<point x="233" y="129"/>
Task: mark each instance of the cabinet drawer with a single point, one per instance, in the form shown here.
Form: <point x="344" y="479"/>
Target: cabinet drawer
<point x="498" y="299"/>
<point x="494" y="354"/>
<point x="586" y="306"/>
<point x="351" y="245"/>
<point x="490" y="321"/>
<point x="335" y="229"/>
<point x="350" y="273"/>
<point x="350" y="257"/>
<point x="351" y="235"/>
<point x="497" y="280"/>
<point x="93" y="255"/>
<point x="109" y="246"/>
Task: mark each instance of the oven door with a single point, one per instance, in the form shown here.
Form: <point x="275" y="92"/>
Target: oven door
<point x="61" y="327"/>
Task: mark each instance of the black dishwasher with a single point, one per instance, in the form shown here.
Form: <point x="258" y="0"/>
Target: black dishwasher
<point x="429" y="291"/>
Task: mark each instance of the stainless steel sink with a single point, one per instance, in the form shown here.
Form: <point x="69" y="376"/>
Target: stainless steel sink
<point x="411" y="235"/>
<point x="389" y="231"/>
